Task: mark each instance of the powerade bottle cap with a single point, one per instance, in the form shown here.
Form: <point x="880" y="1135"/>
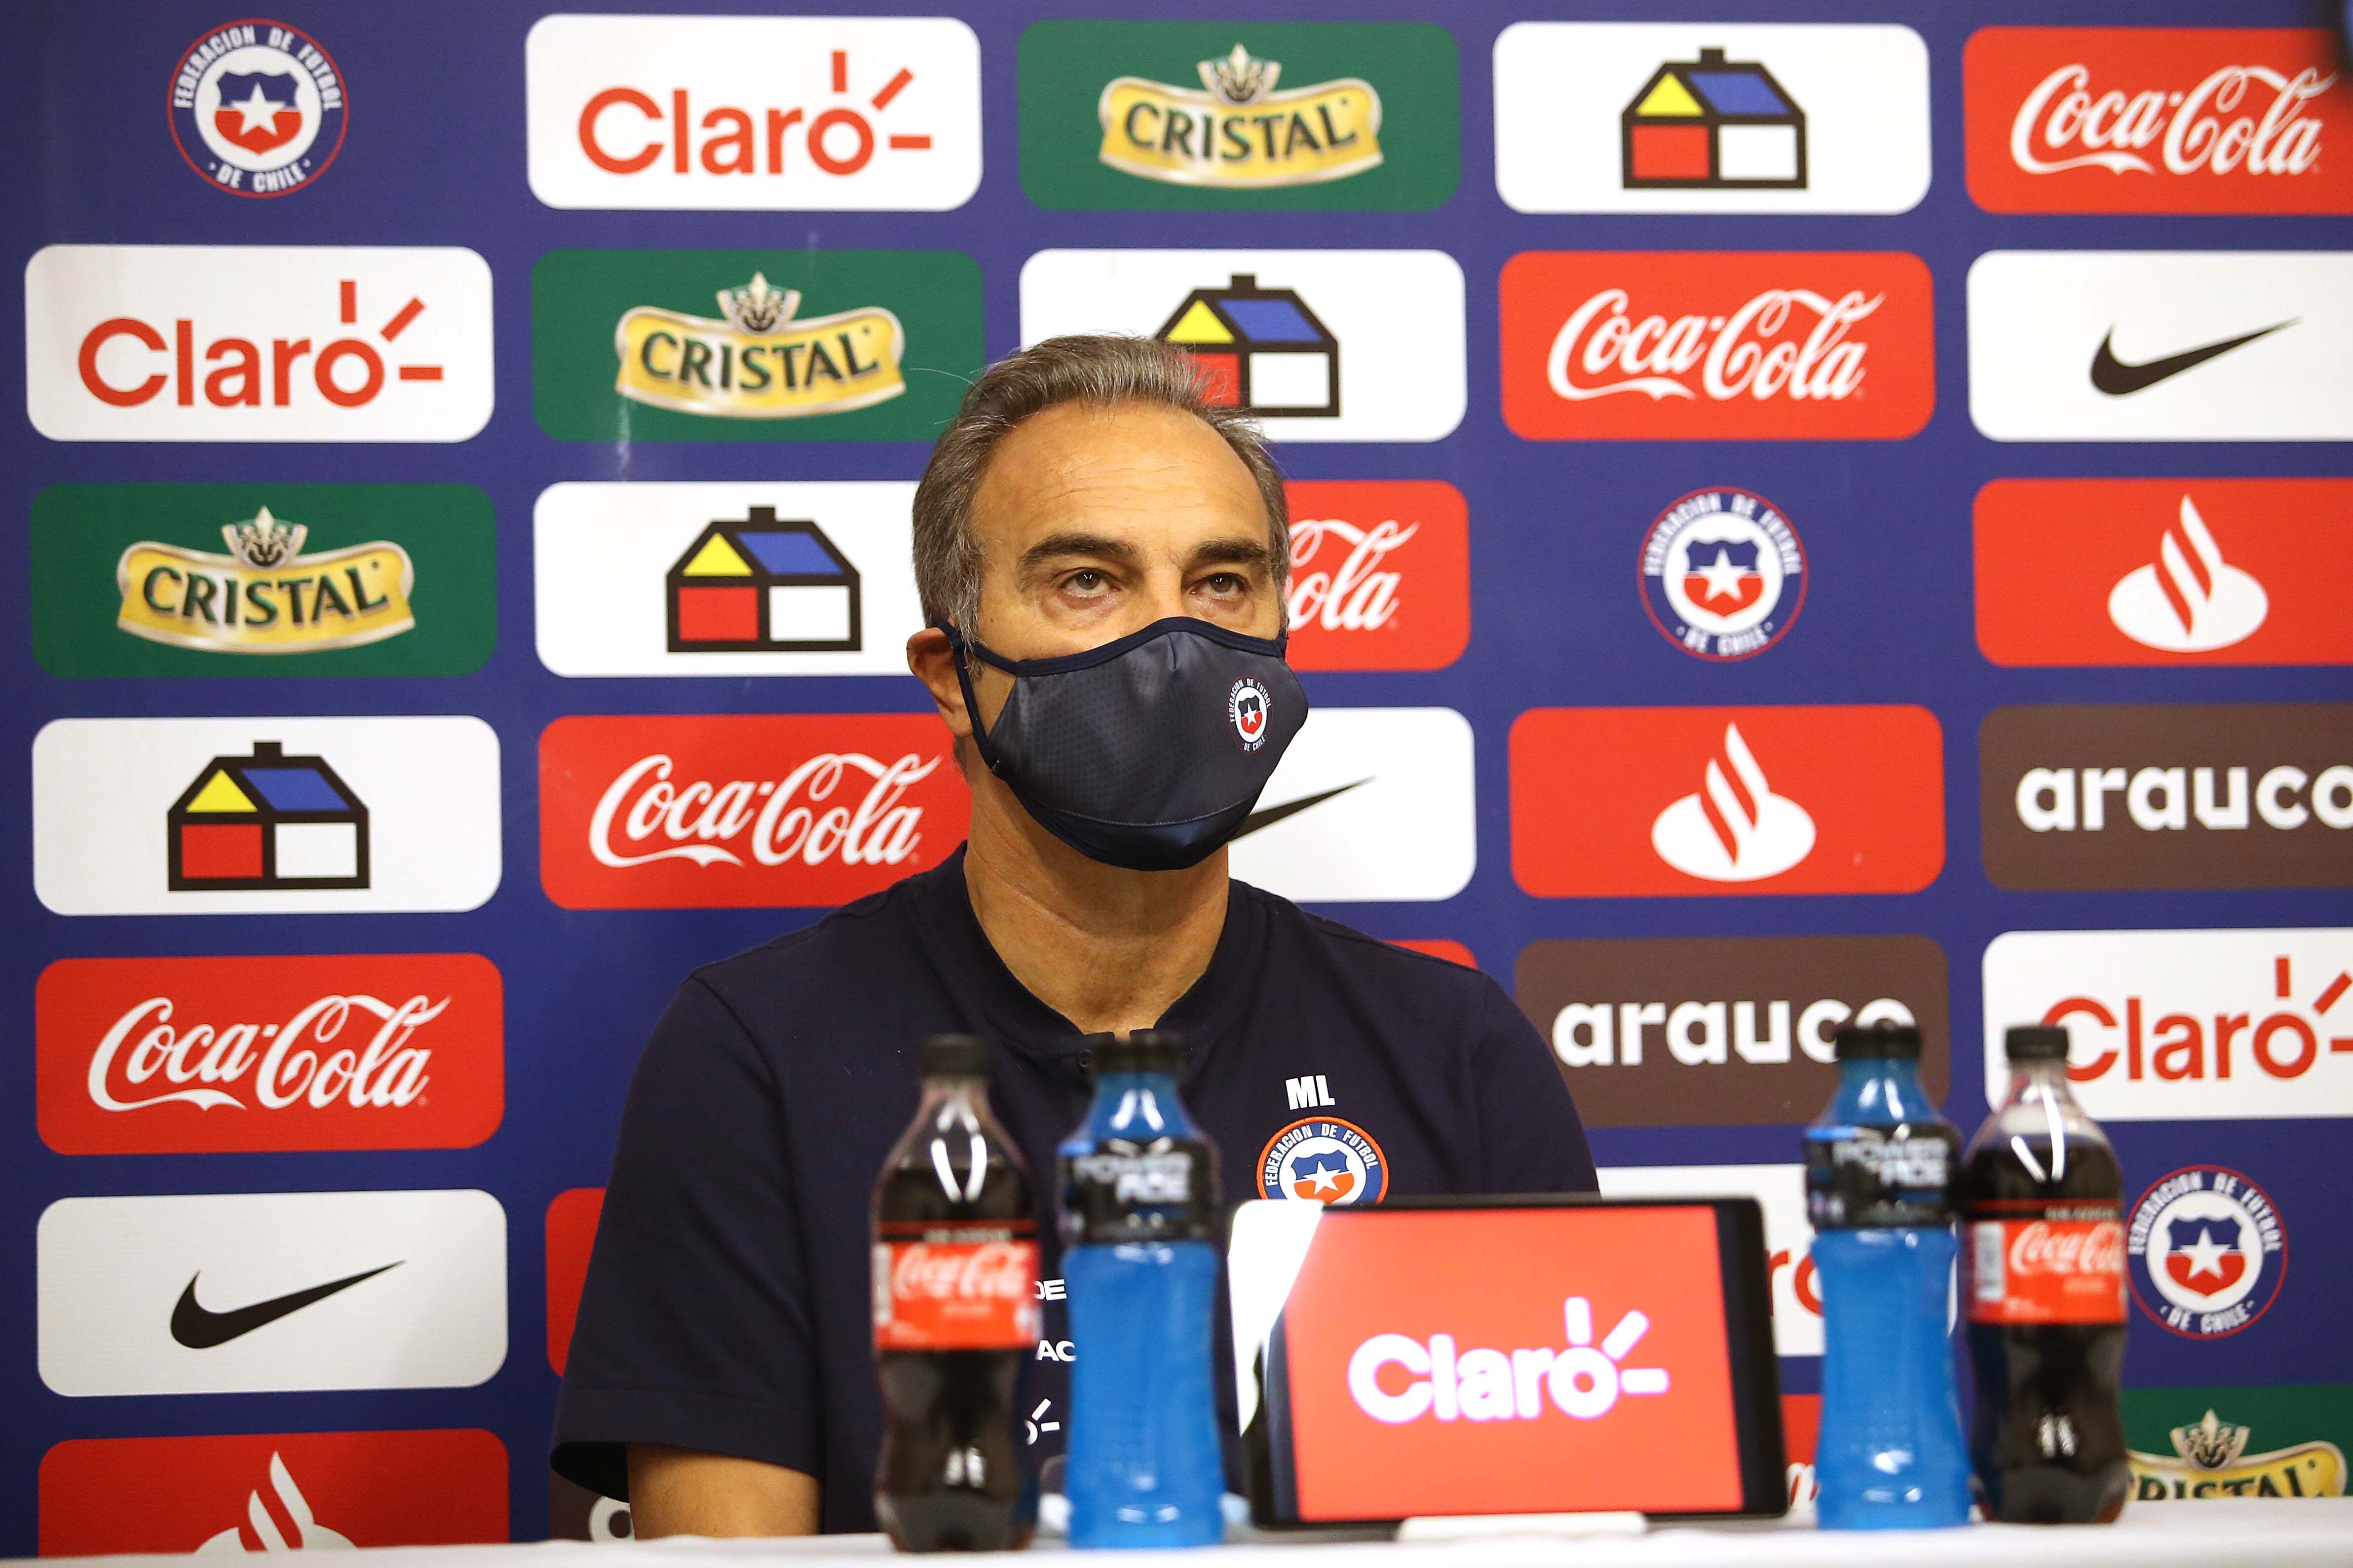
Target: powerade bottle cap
<point x="955" y="1056"/>
<point x="2034" y="1043"/>
<point x="1145" y="1050"/>
<point x="1859" y="1042"/>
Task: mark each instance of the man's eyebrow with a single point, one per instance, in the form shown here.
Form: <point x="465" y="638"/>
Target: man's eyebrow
<point x="1233" y="552"/>
<point x="1057" y="546"/>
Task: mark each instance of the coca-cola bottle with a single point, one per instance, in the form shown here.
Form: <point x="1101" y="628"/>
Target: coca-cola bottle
<point x="2044" y="1288"/>
<point x="955" y="1316"/>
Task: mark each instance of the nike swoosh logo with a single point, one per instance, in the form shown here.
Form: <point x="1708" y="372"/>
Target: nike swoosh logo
<point x="200" y="1329"/>
<point x="1267" y="817"/>
<point x="2117" y="379"/>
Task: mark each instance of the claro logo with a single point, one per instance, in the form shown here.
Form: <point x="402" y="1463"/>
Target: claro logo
<point x="2212" y="795"/>
<point x="205" y="1055"/>
<point x="2183" y="1025"/>
<point x="1758" y="345"/>
<point x="1723" y="1031"/>
<point x="1582" y="1381"/>
<point x="2156" y="120"/>
<point x="658" y="813"/>
<point x="156" y="342"/>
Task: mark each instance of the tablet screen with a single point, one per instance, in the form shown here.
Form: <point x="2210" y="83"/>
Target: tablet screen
<point x="1507" y="1360"/>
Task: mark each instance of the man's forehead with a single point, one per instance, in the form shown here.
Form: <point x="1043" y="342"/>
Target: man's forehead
<point x="1140" y="470"/>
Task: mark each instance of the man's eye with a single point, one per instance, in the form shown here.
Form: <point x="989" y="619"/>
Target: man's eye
<point x="1225" y="583"/>
<point x="1086" y="582"/>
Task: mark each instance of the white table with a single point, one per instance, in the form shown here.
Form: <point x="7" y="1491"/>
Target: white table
<point x="2212" y="1533"/>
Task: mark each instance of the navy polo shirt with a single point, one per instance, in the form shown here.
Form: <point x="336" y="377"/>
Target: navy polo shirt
<point x="726" y="1306"/>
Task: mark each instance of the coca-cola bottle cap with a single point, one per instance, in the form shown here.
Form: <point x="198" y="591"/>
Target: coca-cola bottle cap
<point x="1859" y="1042"/>
<point x="1144" y="1050"/>
<point x="2034" y="1043"/>
<point x="955" y="1056"/>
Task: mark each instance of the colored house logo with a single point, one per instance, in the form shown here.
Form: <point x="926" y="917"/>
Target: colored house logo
<point x="1261" y="351"/>
<point x="763" y="586"/>
<point x="267" y="821"/>
<point x="1713" y="124"/>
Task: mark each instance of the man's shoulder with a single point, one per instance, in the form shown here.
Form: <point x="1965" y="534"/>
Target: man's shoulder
<point x="1368" y="961"/>
<point x="863" y="943"/>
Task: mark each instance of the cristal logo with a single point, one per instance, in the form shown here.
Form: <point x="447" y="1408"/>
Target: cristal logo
<point x="1736" y="829"/>
<point x="1356" y="594"/>
<point x="2286" y="1043"/>
<point x="300" y="1531"/>
<point x="1755" y="352"/>
<point x="1584" y="1381"/>
<point x="2239" y="117"/>
<point x="787" y="819"/>
<point x="2190" y="600"/>
<point x="624" y="131"/>
<point x="992" y="1271"/>
<point x="2043" y="1249"/>
<point x="289" y="1064"/>
<point x="347" y="370"/>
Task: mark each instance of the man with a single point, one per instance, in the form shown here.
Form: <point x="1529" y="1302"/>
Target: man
<point x="1088" y="520"/>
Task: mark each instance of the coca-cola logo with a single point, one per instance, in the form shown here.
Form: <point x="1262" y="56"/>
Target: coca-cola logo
<point x="727" y="811"/>
<point x="806" y="816"/>
<point x="2154" y="119"/>
<point x="1380" y="575"/>
<point x="2042" y="1247"/>
<point x="1717" y="345"/>
<point x="331" y="1051"/>
<point x="1754" y="351"/>
<point x="319" y="1057"/>
<point x="988" y="1271"/>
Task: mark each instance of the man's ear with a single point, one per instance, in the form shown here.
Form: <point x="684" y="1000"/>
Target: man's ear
<point x="934" y="664"/>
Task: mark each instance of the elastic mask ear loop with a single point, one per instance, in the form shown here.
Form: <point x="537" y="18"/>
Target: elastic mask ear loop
<point x="963" y="650"/>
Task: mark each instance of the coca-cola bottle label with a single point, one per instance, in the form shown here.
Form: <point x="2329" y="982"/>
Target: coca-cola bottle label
<point x="2065" y="1264"/>
<point x="941" y="1286"/>
<point x="1876" y="1178"/>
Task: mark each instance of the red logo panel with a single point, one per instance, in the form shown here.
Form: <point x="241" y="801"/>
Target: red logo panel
<point x="1380" y="575"/>
<point x="742" y="811"/>
<point x="1717" y="345"/>
<point x="176" y="1056"/>
<point x="2099" y="572"/>
<point x="273" y="1492"/>
<point x="2157" y="120"/>
<point x="571" y="1236"/>
<point x="1628" y="802"/>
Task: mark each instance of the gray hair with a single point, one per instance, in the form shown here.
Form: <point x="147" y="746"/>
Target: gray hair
<point x="1097" y="371"/>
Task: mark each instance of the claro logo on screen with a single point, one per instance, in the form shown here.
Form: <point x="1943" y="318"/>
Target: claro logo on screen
<point x="733" y="811"/>
<point x="2156" y="119"/>
<point x="1717" y="345"/>
<point x="142" y="1055"/>
<point x="1582" y="1381"/>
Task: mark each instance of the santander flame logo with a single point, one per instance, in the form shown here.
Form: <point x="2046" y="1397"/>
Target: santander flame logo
<point x="306" y="1535"/>
<point x="1791" y="343"/>
<point x="1583" y="1381"/>
<point x="2217" y="127"/>
<point x="2190" y="600"/>
<point x="807" y="817"/>
<point x="1736" y="829"/>
<point x="293" y="1063"/>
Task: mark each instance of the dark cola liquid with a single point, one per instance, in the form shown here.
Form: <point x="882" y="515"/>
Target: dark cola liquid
<point x="951" y="1475"/>
<point x="2047" y="1444"/>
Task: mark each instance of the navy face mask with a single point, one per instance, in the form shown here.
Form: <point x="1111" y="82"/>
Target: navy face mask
<point x="1148" y="752"/>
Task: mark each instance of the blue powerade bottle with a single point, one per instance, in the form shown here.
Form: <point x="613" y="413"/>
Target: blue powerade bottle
<point x="1879" y="1166"/>
<point x="1139" y="1212"/>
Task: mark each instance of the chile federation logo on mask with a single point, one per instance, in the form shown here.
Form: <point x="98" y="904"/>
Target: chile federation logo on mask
<point x="2209" y="1251"/>
<point x="1724" y="574"/>
<point x="1324" y="1159"/>
<point x="1250" y="707"/>
<point x="257" y="108"/>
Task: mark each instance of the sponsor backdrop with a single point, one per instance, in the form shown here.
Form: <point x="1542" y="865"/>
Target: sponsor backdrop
<point x="1804" y="511"/>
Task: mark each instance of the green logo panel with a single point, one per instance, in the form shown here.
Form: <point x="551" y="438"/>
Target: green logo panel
<point x="752" y="345"/>
<point x="263" y="579"/>
<point x="1192" y="116"/>
<point x="2285" y="1441"/>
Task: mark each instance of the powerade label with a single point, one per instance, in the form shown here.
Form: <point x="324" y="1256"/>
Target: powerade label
<point x="2055" y="1263"/>
<point x="1164" y="1190"/>
<point x="955" y="1286"/>
<point x="1879" y="1178"/>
